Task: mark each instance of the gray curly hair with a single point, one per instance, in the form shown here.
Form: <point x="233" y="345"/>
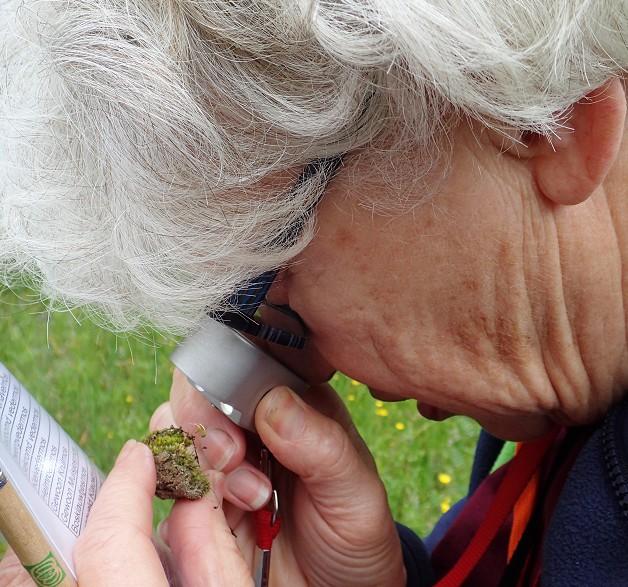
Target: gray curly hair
<point x="139" y="139"/>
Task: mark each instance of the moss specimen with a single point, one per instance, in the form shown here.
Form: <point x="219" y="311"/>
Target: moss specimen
<point x="179" y="475"/>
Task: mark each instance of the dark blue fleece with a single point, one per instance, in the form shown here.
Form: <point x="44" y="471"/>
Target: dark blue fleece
<point x="587" y="540"/>
<point x="586" y="544"/>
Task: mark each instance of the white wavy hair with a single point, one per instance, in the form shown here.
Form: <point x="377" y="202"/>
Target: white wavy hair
<point x="136" y="135"/>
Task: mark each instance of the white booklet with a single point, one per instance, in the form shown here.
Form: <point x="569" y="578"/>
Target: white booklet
<point x="49" y="471"/>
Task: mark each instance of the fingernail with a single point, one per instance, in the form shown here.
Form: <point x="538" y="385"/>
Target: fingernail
<point x="248" y="488"/>
<point x="127" y="449"/>
<point x="285" y="415"/>
<point x="218" y="448"/>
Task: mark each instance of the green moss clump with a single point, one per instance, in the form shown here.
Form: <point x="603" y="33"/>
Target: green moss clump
<point x="179" y="475"/>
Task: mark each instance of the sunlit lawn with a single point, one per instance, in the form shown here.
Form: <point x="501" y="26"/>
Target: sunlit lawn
<point x="102" y="388"/>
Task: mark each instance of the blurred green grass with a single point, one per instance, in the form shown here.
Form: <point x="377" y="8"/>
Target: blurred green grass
<point x="102" y="388"/>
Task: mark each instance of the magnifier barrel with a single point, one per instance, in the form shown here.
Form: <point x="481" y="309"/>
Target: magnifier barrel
<point x="230" y="371"/>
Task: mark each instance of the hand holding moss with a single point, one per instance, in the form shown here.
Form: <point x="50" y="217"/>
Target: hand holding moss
<point x="117" y="548"/>
<point x="337" y="528"/>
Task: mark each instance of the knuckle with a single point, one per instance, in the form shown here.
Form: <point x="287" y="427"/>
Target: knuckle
<point x="109" y="534"/>
<point x="162" y="417"/>
<point x="103" y="539"/>
<point x="333" y="450"/>
<point x="92" y="540"/>
<point x="12" y="573"/>
<point x="180" y="390"/>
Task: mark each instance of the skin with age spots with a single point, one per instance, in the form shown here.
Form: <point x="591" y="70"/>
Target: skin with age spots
<point x="493" y="298"/>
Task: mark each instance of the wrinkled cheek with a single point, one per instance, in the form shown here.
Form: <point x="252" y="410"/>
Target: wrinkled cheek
<point x="341" y="331"/>
<point x="355" y="358"/>
<point x="307" y="363"/>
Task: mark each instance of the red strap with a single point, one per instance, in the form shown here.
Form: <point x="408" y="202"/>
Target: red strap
<point x="519" y="473"/>
<point x="522" y="512"/>
<point x="265" y="530"/>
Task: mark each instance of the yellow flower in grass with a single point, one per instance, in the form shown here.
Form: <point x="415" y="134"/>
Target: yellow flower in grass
<point x="445" y="505"/>
<point x="444" y="478"/>
<point x="400" y="426"/>
<point x="128" y="399"/>
<point x="379" y="404"/>
<point x="355" y="383"/>
<point x="351" y="397"/>
<point x="383" y="412"/>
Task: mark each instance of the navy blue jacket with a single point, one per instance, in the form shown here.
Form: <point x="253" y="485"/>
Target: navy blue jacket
<point x="586" y="543"/>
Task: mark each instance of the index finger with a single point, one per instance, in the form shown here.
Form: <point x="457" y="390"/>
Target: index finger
<point x="223" y="437"/>
<point x="203" y="546"/>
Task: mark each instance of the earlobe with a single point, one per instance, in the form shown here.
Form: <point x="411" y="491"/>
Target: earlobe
<point x="570" y="168"/>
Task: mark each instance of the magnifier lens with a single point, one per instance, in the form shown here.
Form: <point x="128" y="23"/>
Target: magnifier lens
<point x="231" y="371"/>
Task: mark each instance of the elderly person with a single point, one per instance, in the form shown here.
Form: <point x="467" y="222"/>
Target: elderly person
<point x="459" y="237"/>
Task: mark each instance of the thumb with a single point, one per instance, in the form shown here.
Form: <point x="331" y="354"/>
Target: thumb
<point x="319" y="451"/>
<point x="115" y="548"/>
<point x="341" y="504"/>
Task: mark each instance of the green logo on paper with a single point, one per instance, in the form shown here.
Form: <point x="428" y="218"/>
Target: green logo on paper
<point x="46" y="573"/>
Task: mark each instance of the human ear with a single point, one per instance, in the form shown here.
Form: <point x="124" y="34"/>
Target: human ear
<point x="570" y="168"/>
